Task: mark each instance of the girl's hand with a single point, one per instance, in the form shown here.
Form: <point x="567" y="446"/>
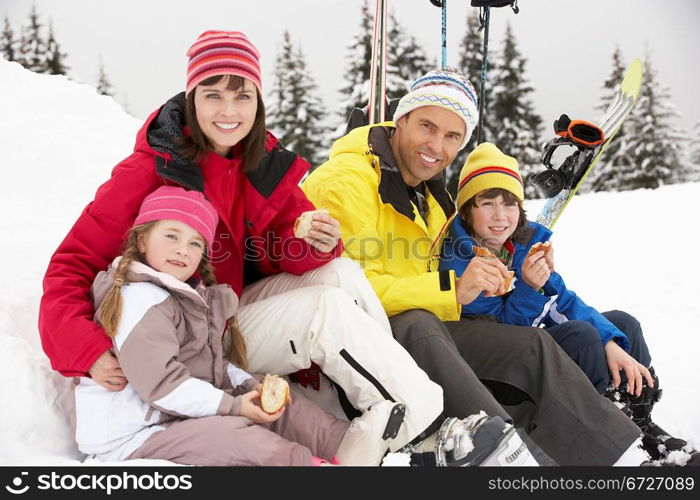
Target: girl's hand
<point x="482" y="274"/>
<point x="258" y="389"/>
<point x="535" y="270"/>
<point x="250" y="408"/>
<point x="325" y="233"/>
<point x="619" y="360"/>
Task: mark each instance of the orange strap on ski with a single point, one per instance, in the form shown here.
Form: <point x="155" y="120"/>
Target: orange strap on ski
<point x="579" y="131"/>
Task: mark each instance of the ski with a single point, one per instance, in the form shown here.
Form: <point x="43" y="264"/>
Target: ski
<point x="376" y="110"/>
<point x="567" y="179"/>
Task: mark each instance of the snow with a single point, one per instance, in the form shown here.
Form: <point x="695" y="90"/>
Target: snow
<point x="59" y="141"/>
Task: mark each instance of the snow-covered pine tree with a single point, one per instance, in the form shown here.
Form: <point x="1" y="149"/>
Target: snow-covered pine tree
<point x="296" y="113"/>
<point x="470" y="63"/>
<point x="689" y="168"/>
<point x="602" y="177"/>
<point x="694" y="153"/>
<point x="655" y="144"/>
<point x="513" y="124"/>
<point x="32" y="47"/>
<point x="406" y="60"/>
<point x="104" y="86"/>
<point x="8" y="44"/>
<point x="55" y="59"/>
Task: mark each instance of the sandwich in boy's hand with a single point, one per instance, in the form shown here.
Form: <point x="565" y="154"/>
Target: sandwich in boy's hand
<point x="274" y="394"/>
<point x="539" y="246"/>
<point x="302" y="225"/>
<point x="485" y="252"/>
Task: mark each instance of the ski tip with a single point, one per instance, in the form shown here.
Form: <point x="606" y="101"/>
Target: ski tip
<point x="633" y="78"/>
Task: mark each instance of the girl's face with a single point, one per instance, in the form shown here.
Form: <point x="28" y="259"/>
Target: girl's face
<point x="225" y="116"/>
<point x="495" y="220"/>
<point x="172" y="247"/>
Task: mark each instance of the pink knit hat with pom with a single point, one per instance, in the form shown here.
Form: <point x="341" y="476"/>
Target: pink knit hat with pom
<point x="222" y="53"/>
<point x="190" y="207"/>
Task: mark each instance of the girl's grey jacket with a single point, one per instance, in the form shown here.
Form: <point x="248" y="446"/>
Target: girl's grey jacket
<point x="169" y="346"/>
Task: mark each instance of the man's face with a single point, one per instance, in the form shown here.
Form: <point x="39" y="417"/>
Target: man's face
<point x="426" y="141"/>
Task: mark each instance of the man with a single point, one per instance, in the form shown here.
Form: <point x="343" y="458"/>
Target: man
<point x="384" y="184"/>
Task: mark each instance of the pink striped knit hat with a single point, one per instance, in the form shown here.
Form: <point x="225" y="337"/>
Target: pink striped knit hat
<point x="222" y="53"/>
<point x="190" y="207"/>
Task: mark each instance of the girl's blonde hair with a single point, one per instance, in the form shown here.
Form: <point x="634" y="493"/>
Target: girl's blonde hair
<point x="110" y="311"/>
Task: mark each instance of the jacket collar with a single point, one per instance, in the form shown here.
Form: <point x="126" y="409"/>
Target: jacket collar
<point x="392" y="188"/>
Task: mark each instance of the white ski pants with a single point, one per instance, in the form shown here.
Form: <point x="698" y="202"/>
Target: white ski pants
<point x="332" y="317"/>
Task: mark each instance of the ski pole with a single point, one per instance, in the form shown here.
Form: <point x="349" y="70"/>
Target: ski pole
<point x="484" y="66"/>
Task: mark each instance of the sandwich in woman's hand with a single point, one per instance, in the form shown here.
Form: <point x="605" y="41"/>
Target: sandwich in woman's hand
<point x="302" y="225"/>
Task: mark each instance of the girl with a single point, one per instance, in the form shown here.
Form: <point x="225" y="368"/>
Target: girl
<point x="185" y="402"/>
<point x="491" y="215"/>
<point x="311" y="307"/>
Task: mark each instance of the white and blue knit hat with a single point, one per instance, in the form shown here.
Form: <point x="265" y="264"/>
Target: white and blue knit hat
<point x="446" y="88"/>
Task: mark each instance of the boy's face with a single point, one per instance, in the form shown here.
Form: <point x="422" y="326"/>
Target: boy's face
<point x="173" y="247"/>
<point x="495" y="220"/>
<point x="425" y="142"/>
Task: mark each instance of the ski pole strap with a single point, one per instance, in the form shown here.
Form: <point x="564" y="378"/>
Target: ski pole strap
<point x="579" y="131"/>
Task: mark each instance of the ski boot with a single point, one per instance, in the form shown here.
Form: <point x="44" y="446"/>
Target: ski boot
<point x="656" y="442"/>
<point x="367" y="439"/>
<point x="478" y="440"/>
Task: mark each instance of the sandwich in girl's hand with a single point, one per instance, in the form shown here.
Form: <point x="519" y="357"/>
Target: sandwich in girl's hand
<point x="274" y="393"/>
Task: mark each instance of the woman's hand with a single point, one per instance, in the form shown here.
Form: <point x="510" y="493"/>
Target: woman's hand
<point x="535" y="270"/>
<point x="250" y="408"/>
<point x="619" y="360"/>
<point x="483" y="274"/>
<point x="324" y="234"/>
<point x="107" y="372"/>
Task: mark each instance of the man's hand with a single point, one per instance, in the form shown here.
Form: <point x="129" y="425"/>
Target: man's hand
<point x="535" y="270"/>
<point x="619" y="360"/>
<point x="482" y="274"/>
<point x="107" y="372"/>
<point x="325" y="233"/>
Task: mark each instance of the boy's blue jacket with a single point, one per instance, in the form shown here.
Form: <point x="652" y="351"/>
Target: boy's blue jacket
<point x="523" y="305"/>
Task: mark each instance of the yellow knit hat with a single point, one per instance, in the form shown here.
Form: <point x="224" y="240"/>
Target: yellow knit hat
<point x="486" y="168"/>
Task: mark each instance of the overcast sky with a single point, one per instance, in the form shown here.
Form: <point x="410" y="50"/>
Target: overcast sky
<point x="568" y="43"/>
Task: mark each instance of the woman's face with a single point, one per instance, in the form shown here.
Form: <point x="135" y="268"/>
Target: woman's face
<point x="225" y="116"/>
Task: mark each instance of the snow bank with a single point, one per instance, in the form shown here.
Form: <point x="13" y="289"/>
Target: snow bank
<point x="59" y="141"/>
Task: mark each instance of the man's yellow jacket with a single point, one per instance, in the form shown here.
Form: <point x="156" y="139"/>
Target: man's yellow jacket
<point x="361" y="186"/>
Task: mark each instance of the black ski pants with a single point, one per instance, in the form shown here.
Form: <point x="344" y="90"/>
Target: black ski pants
<point x="521" y="374"/>
<point x="581" y="341"/>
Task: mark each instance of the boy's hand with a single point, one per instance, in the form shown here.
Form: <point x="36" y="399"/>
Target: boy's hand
<point x="535" y="270"/>
<point x="619" y="360"/>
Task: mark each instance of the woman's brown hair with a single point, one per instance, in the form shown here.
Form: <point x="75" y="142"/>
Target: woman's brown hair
<point x="489" y="194"/>
<point x="110" y="310"/>
<point x="196" y="145"/>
